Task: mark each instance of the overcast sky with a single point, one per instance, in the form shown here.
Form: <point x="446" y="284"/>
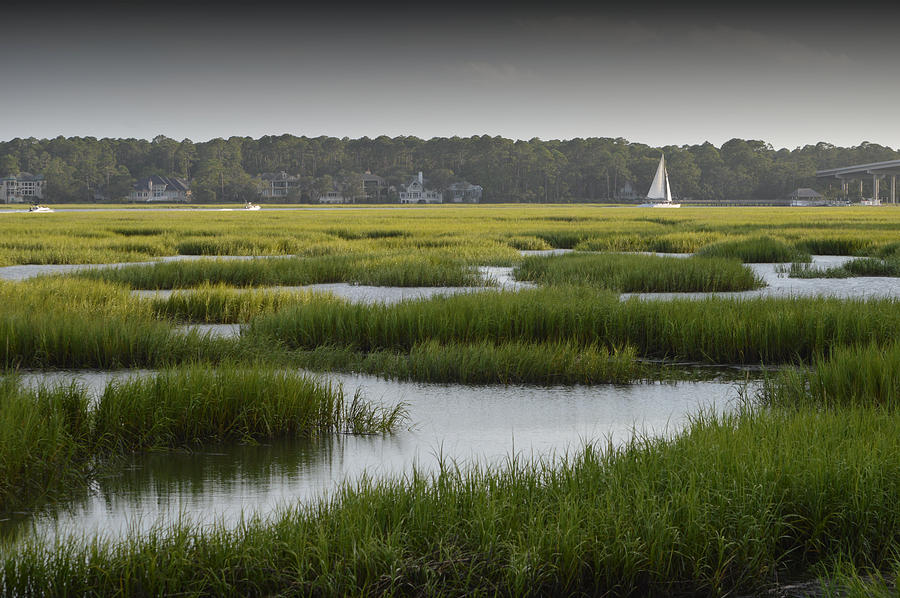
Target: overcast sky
<point x="656" y="76"/>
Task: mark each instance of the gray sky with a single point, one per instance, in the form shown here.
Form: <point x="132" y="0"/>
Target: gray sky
<point x="654" y="77"/>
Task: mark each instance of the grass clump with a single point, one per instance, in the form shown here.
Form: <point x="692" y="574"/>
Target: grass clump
<point x="849" y="376"/>
<point x="528" y="243"/>
<point x="714" y="330"/>
<point x="722" y="509"/>
<point x="639" y="273"/>
<point x="53" y="438"/>
<point x="858" y="245"/>
<point x="193" y="405"/>
<point x="44" y="443"/>
<point x="756" y="250"/>
<point x="66" y="340"/>
<point x="391" y="270"/>
<point x="219" y="304"/>
<point x="485" y="363"/>
<point x="870" y="266"/>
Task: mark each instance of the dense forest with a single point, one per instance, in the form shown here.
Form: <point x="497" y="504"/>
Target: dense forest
<point x="594" y="169"/>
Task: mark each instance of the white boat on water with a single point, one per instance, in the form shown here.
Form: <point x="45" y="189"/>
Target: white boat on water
<point x="660" y="195"/>
<point x="39" y="209"/>
<point x="251" y="206"/>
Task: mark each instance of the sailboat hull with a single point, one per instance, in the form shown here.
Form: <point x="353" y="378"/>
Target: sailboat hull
<point x="661" y="204"/>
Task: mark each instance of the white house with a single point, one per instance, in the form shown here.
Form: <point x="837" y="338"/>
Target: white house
<point x="24" y="186"/>
<point x="464" y="193"/>
<point x="334" y="197"/>
<point x="160" y="188"/>
<point x="416" y="193"/>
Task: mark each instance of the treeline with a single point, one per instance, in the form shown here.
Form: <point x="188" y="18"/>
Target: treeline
<point x="593" y="169"/>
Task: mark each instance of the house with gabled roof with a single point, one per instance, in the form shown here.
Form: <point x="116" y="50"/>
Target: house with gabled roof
<point x="278" y="184"/>
<point x="21" y="187"/>
<point x="160" y="188"/>
<point x="464" y="192"/>
<point x="417" y="193"/>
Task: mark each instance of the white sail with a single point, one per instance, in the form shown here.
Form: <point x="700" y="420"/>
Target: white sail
<point x="659" y="188"/>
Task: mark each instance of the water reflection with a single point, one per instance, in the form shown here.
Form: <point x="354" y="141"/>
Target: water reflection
<point x="462" y="423"/>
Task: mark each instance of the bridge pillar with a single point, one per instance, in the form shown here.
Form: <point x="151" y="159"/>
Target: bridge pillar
<point x="893" y="188"/>
<point x="875" y="187"/>
<point x="860" y="189"/>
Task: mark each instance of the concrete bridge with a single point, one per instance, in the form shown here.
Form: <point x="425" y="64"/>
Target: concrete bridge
<point x="877" y="170"/>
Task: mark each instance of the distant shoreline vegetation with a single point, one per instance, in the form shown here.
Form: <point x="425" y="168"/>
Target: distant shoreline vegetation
<point x="239" y="169"/>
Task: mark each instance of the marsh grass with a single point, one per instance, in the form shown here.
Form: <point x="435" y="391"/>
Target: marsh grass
<point x="679" y="242"/>
<point x="714" y="330"/>
<point x="393" y="270"/>
<point x="529" y="243"/>
<point x="485" y="363"/>
<point x="831" y="245"/>
<point x="639" y="273"/>
<point x="53" y="437"/>
<point x="870" y="266"/>
<point x="754" y="250"/>
<point x="722" y="509"/>
<point x="866" y="375"/>
<point x="65" y="340"/>
<point x="44" y="440"/>
<point x="136" y="235"/>
<point x="226" y="305"/>
<point x="193" y="405"/>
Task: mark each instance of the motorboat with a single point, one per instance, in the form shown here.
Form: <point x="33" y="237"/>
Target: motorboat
<point x="251" y="206"/>
<point x="39" y="209"/>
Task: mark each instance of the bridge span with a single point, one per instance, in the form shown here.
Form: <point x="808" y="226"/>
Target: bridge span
<point x="860" y="172"/>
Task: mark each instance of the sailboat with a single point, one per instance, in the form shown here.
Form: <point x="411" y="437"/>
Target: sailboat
<point x="660" y="195"/>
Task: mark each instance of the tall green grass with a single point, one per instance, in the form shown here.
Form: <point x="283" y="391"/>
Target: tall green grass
<point x="193" y="405"/>
<point x="227" y="305"/>
<point x="82" y="340"/>
<point x="723" y="509"/>
<point x="832" y="245"/>
<point x="51" y="438"/>
<point x="394" y="270"/>
<point x="680" y="242"/>
<point x="44" y="443"/>
<point x="639" y="273"/>
<point x="715" y="330"/>
<point x="867" y="375"/>
<point x="869" y="266"/>
<point x="485" y="363"/>
<point x="760" y="249"/>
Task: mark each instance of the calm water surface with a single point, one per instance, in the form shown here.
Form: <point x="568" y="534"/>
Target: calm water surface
<point x="779" y="285"/>
<point x="466" y="424"/>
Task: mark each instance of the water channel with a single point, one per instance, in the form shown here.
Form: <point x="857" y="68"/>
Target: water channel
<point x="462" y="424"/>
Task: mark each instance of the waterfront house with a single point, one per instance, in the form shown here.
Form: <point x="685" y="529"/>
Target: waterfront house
<point x="373" y="186"/>
<point x="335" y="197"/>
<point x="22" y="187"/>
<point x="161" y="188"/>
<point x="464" y="192"/>
<point x="278" y="184"/>
<point x="417" y="193"/>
